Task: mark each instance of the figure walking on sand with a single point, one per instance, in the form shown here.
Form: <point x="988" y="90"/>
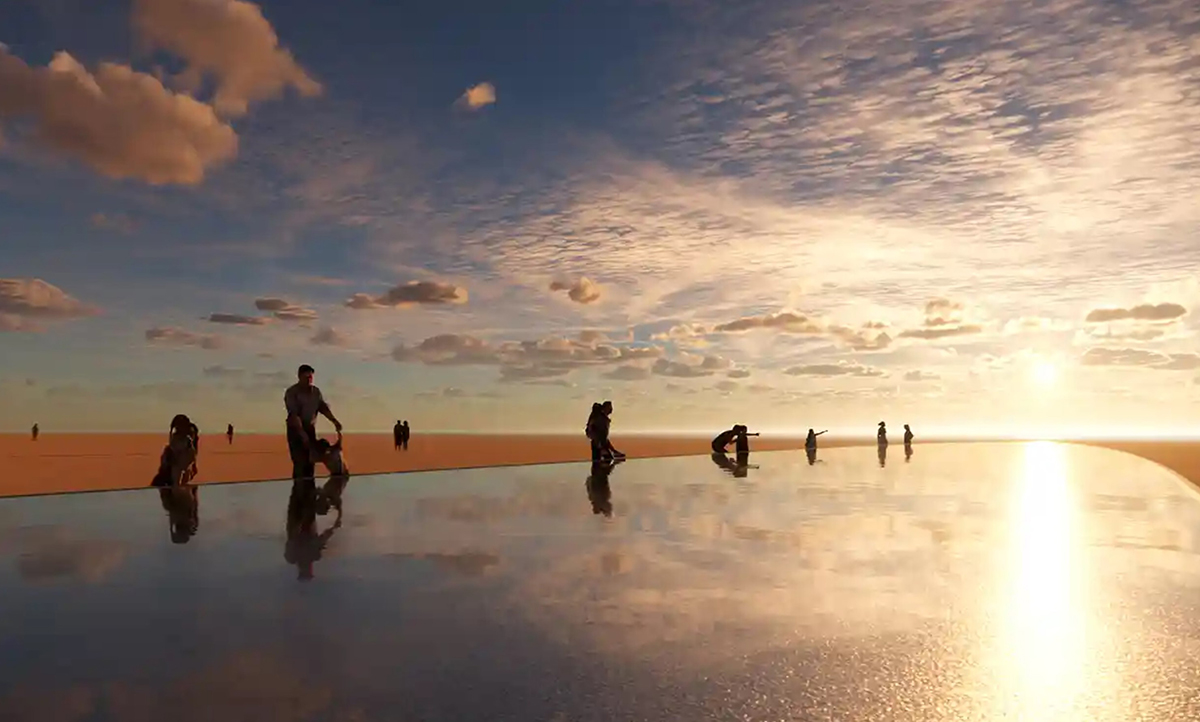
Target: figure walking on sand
<point x="229" y="433"/>
<point x="34" y="432"/>
<point x="303" y="402"/>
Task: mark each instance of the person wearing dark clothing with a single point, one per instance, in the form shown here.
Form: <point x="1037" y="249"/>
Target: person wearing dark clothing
<point x="738" y="435"/>
<point x="303" y="402"/>
<point x="738" y="467"/>
<point x="35" y="431"/>
<point x="810" y="441"/>
<point x="397" y="434"/>
<point x="405" y="434"/>
<point x="304" y="545"/>
<point x="598" y="427"/>
<point x="182" y="504"/>
<point x="908" y="435"/>
<point x="177" y="464"/>
<point x="883" y="454"/>
<point x="229" y="433"/>
<point x="881" y="435"/>
<point x="592" y="431"/>
<point x="811" y="453"/>
<point x="598" y="491"/>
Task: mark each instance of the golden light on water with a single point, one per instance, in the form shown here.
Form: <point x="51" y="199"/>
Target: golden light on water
<point x="1044" y="646"/>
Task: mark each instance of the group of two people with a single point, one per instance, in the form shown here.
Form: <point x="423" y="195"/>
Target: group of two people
<point x="401" y="434"/>
<point x="599" y="424"/>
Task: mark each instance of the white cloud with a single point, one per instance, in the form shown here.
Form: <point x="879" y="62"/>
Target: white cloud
<point x="477" y="96"/>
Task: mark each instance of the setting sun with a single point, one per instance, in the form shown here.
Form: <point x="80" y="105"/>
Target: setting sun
<point x="1044" y="373"/>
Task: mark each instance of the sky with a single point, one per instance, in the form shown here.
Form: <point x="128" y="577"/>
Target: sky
<point x="964" y="215"/>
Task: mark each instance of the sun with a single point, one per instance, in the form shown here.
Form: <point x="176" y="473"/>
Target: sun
<point x="1044" y="373"/>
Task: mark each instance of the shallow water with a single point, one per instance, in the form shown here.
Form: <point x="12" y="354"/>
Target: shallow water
<point x="974" y="581"/>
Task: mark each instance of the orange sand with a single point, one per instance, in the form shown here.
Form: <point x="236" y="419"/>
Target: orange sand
<point x="91" y="462"/>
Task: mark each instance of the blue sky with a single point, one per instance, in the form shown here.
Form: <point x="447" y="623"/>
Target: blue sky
<point x="958" y="214"/>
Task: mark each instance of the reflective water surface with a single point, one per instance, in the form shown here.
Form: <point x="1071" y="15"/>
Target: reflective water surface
<point x="969" y="582"/>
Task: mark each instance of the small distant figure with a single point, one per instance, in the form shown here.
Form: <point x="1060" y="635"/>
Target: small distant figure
<point x="883" y="454"/>
<point x="177" y="464"/>
<point x="598" y="491"/>
<point x="229" y="433"/>
<point x="908" y="439"/>
<point x="881" y="435"/>
<point x="405" y="434"/>
<point x="34" y="432"/>
<point x="397" y="434"/>
<point x="599" y="426"/>
<point x="737" y="434"/>
<point x="810" y="441"/>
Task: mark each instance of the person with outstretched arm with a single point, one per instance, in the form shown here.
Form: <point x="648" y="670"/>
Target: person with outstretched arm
<point x="303" y="402"/>
<point x="810" y="441"/>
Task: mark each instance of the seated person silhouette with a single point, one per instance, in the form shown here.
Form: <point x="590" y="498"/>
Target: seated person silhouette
<point x="737" y="434"/>
<point x="598" y="491"/>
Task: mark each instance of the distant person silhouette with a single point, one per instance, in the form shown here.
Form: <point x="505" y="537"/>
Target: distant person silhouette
<point x="305" y="546"/>
<point x="598" y="491"/>
<point x="35" y="431"/>
<point x="182" y="504"/>
<point x="881" y="435"/>
<point x="405" y="434"/>
<point x="737" y="435"/>
<point x="599" y="426"/>
<point x="397" y="434"/>
<point x="229" y="433"/>
<point x="908" y="435"/>
<point x="810" y="441"/>
<point x="883" y="454"/>
<point x="177" y="463"/>
<point x="303" y="402"/>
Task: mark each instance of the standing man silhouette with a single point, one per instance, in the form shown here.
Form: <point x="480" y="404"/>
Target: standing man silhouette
<point x="35" y="432"/>
<point x="405" y="434"/>
<point x="229" y="433"/>
<point x="397" y="434"/>
<point x="303" y="402"/>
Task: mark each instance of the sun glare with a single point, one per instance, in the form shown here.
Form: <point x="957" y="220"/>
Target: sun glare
<point x="1044" y="373"/>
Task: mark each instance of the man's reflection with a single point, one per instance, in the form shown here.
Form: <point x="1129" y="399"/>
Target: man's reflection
<point x="738" y="466"/>
<point x="907" y="451"/>
<point x="182" y="504"/>
<point x="304" y="544"/>
<point x="882" y="455"/>
<point x="811" y="453"/>
<point x="598" y="491"/>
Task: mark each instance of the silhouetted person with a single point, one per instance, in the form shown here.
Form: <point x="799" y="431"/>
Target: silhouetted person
<point x="881" y="435"/>
<point x="810" y="441"/>
<point x="177" y="463"/>
<point x="811" y="453"/>
<point x="736" y="435"/>
<point x="34" y="432"/>
<point x="182" y="504"/>
<point x="405" y="434"/>
<point x="883" y="454"/>
<point x="598" y="491"/>
<point x="305" y="545"/>
<point x="229" y="433"/>
<point x="592" y="431"/>
<point x="303" y="402"/>
<point x="599" y="425"/>
<point x="908" y="435"/>
<point x="397" y="434"/>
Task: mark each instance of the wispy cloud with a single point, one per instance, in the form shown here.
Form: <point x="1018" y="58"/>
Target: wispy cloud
<point x="477" y="96"/>
<point x="169" y="336"/>
<point x="411" y="294"/>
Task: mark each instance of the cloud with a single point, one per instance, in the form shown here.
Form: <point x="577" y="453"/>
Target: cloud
<point x="285" y="310"/>
<point x="525" y="373"/>
<point x="227" y="40"/>
<point x="583" y="290"/>
<point x="412" y="293"/>
<point x="329" y="336"/>
<point x="837" y="369"/>
<point x="119" y="122"/>
<point x="1181" y="362"/>
<point x="679" y="370"/>
<point x="33" y="298"/>
<point x="1152" y="312"/>
<point x="870" y="337"/>
<point x="1101" y="356"/>
<point x="738" y="373"/>
<point x="178" y="337"/>
<point x="682" y="333"/>
<point x="223" y="372"/>
<point x="918" y="375"/>
<point x="930" y="334"/>
<point x="271" y="304"/>
<point x="716" y="363"/>
<point x="477" y="96"/>
<point x="726" y="385"/>
<point x="628" y="373"/>
<point x="459" y="349"/>
<point x="234" y="319"/>
<point x="117" y="222"/>
<point x="943" y="312"/>
<point x="784" y="322"/>
<point x="8" y="322"/>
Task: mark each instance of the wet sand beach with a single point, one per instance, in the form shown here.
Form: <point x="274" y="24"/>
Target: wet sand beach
<point x="59" y="463"/>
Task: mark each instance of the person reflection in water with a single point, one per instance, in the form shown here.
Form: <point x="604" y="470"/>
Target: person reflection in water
<point x="883" y="454"/>
<point x="182" y="504"/>
<point x="305" y="545"/>
<point x="738" y="466"/>
<point x="35" y="431"/>
<point x="598" y="491"/>
<point x="811" y="453"/>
